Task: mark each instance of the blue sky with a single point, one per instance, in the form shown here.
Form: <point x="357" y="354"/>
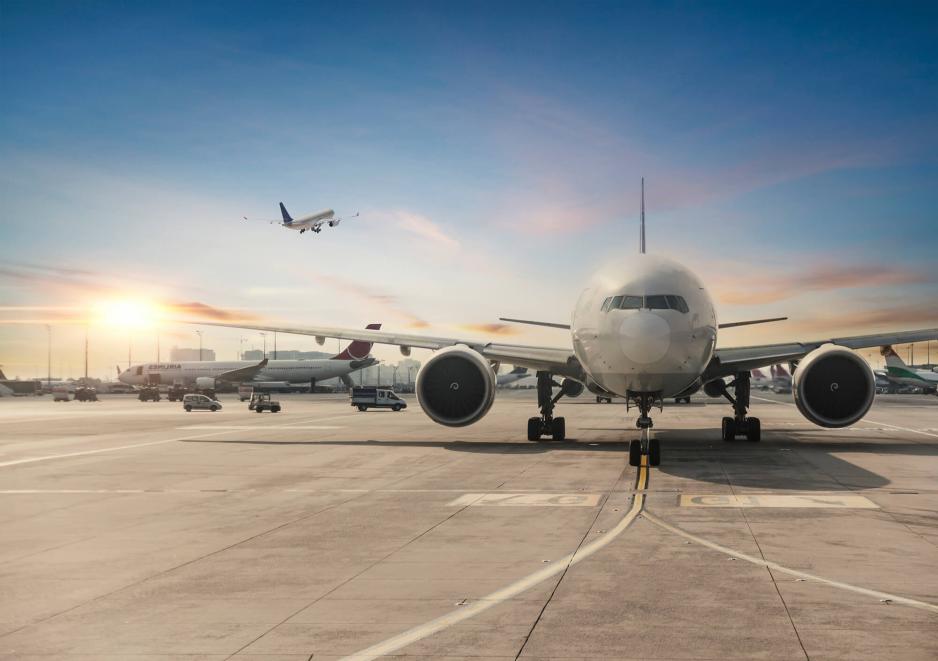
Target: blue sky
<point x="791" y="157"/>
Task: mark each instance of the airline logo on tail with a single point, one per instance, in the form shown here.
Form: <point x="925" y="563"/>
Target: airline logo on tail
<point x="357" y="349"/>
<point x="286" y="216"/>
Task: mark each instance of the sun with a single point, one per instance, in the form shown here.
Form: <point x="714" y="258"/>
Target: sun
<point x="127" y="312"/>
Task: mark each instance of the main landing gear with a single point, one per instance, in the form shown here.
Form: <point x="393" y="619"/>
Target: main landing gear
<point x="648" y="446"/>
<point x="547" y="424"/>
<point x="740" y="424"/>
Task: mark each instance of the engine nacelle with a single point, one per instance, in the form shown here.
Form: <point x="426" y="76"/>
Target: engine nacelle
<point x="715" y="388"/>
<point x="833" y="386"/>
<point x="571" y="388"/>
<point x="205" y="383"/>
<point x="456" y="387"/>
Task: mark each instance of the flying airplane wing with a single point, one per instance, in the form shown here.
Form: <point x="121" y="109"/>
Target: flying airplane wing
<point x="242" y="373"/>
<point x="729" y="360"/>
<point x="559" y="361"/>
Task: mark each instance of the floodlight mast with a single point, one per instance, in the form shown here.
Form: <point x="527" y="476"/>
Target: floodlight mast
<point x="641" y="246"/>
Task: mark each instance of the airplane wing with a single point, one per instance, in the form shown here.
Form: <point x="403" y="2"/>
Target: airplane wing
<point x="729" y="360"/>
<point x="559" y="361"/>
<point x="242" y="373"/>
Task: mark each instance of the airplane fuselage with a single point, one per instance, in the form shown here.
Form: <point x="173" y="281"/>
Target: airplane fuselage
<point x="186" y="372"/>
<point x="646" y="326"/>
<point x="313" y="220"/>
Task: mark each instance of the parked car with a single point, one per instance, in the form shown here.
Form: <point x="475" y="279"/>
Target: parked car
<point x="196" y="402"/>
<point x="61" y="394"/>
<point x="365" y="397"/>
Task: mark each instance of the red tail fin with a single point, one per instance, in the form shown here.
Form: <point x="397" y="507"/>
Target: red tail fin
<point x="357" y="349"/>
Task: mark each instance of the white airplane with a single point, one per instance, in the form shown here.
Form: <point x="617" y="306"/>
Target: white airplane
<point x="513" y="376"/>
<point x="643" y="329"/>
<point x="264" y="374"/>
<point x="898" y="372"/>
<point x="312" y="222"/>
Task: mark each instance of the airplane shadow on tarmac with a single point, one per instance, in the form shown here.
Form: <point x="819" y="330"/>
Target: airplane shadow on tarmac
<point x="795" y="462"/>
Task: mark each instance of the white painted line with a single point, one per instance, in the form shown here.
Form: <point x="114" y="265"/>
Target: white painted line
<point x="473" y="608"/>
<point x="258" y="428"/>
<point x="30" y="460"/>
<point x="875" y="422"/>
<point x="805" y="500"/>
<point x="528" y="500"/>
<point x="896" y="599"/>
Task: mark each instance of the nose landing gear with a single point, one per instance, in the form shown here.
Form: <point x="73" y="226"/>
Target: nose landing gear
<point x="646" y="446"/>
<point x="547" y="424"/>
<point x="740" y="424"/>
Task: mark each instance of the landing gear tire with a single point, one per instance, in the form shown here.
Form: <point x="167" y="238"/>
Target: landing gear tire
<point x="729" y="429"/>
<point x="754" y="430"/>
<point x="534" y="429"/>
<point x="654" y="452"/>
<point x="558" y="429"/>
<point x="635" y="453"/>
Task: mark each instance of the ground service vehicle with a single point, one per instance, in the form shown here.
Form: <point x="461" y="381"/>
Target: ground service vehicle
<point x="261" y="402"/>
<point x="196" y="402"/>
<point x="149" y="394"/>
<point x="365" y="397"/>
<point x="176" y="392"/>
<point x="86" y="394"/>
<point x="61" y="394"/>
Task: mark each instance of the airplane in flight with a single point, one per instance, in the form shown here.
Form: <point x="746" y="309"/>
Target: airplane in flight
<point x="644" y="329"/>
<point x="312" y="222"/>
<point x="898" y="372"/>
<point x="266" y="374"/>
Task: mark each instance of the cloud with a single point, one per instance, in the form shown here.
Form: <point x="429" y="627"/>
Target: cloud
<point x="491" y="329"/>
<point x="757" y="289"/>
<point x="909" y="316"/>
<point x="387" y="302"/>
<point x="425" y="228"/>
<point x="206" y="311"/>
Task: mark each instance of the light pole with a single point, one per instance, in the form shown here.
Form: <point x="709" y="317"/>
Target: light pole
<point x="49" y="359"/>
<point x="199" y="333"/>
<point x="264" y="335"/>
<point x="86" y="354"/>
<point x="157" y="347"/>
<point x="275" y="345"/>
<point x="240" y="349"/>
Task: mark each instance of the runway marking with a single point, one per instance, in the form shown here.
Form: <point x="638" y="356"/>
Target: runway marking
<point x="527" y="500"/>
<point x="875" y="422"/>
<point x="473" y="608"/>
<point x="256" y="427"/>
<point x="851" y="501"/>
<point x="896" y="599"/>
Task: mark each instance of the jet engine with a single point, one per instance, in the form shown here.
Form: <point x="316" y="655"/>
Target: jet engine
<point x="456" y="387"/>
<point x="833" y="387"/>
<point x="205" y="383"/>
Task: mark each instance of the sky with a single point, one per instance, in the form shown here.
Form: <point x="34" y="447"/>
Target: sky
<point x="493" y="149"/>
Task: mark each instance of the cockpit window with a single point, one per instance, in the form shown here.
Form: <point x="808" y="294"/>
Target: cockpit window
<point x="678" y="303"/>
<point x="631" y="303"/>
<point x="653" y="302"/>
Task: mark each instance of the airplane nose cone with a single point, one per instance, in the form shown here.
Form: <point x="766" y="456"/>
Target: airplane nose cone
<point x="644" y="337"/>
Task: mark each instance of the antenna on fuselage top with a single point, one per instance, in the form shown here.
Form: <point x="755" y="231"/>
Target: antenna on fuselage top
<point x="641" y="246"/>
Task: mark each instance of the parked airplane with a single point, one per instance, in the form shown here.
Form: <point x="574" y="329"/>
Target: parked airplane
<point x="898" y="372"/>
<point x="263" y="374"/>
<point x="513" y="376"/>
<point x="643" y="329"/>
<point x="781" y="379"/>
<point x="312" y="222"/>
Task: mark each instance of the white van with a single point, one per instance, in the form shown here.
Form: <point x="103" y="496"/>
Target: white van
<point x="196" y="402"/>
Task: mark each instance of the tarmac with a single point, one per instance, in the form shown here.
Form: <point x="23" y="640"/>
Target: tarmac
<point x="135" y="530"/>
